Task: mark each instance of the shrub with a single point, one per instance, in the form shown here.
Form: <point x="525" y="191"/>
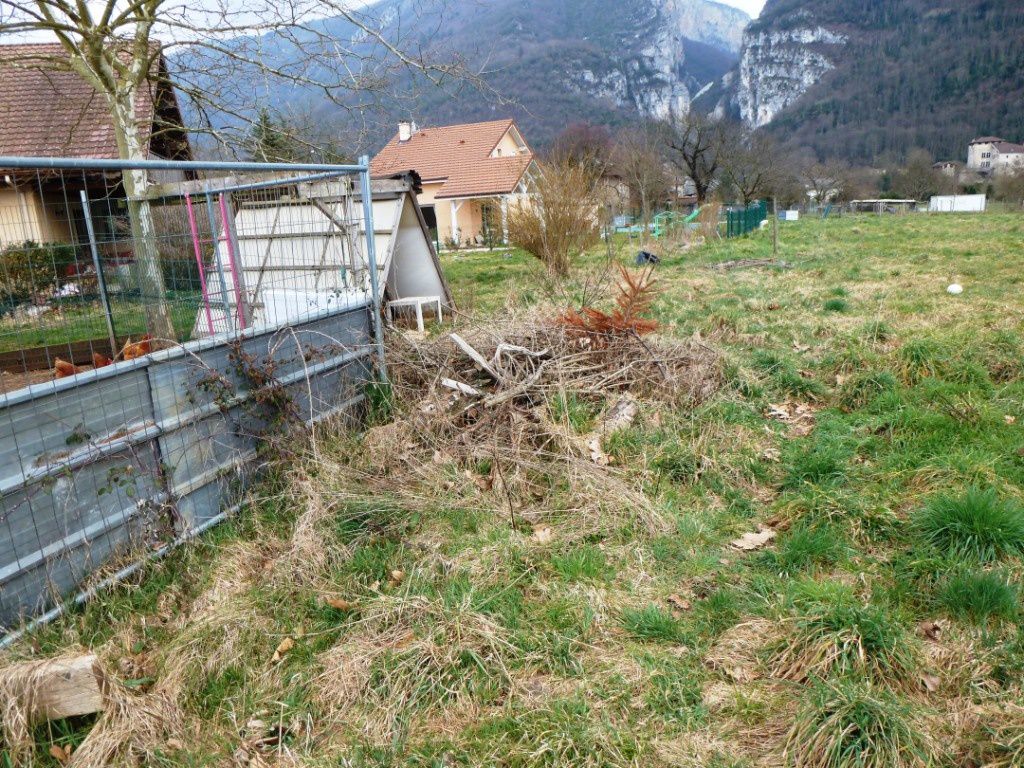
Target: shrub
<point x="977" y="525"/>
<point x="31" y="268"/>
<point x="847" y="724"/>
<point x="560" y="221"/>
<point x="836" y="305"/>
<point x="980" y="596"/>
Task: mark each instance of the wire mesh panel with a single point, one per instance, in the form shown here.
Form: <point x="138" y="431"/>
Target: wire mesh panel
<point x="150" y="348"/>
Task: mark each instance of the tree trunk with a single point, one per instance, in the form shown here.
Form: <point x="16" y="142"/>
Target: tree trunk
<point x="146" y="269"/>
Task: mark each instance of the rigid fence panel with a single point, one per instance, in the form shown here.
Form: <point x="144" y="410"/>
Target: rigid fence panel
<point x="151" y="344"/>
<point x="144" y="451"/>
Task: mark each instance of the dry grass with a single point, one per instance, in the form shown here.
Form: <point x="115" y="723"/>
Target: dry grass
<point x="411" y="657"/>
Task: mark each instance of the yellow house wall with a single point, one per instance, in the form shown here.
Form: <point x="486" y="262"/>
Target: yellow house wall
<point x="24" y="215"/>
<point x="507" y="146"/>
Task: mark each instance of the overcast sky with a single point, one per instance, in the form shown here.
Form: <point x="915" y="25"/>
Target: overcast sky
<point x="753" y="7"/>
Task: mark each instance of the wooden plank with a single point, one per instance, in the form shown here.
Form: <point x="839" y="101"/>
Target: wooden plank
<point x="56" y="688"/>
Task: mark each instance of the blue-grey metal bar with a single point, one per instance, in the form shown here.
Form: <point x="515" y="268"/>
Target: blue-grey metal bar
<point x="95" y="164"/>
<point x="270" y="183"/>
<point x="371" y="262"/>
<point x="101" y="280"/>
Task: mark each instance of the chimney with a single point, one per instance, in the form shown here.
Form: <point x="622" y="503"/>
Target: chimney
<point x="405" y="130"/>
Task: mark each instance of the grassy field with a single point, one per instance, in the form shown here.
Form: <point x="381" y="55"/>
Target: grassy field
<point x="868" y="424"/>
<point x="76" y="320"/>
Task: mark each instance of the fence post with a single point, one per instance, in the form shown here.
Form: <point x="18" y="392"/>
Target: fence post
<point x="101" y="279"/>
<point x="371" y="263"/>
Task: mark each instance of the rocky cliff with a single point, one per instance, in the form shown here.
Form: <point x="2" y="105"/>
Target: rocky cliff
<point x="548" y="63"/>
<point x="860" y="79"/>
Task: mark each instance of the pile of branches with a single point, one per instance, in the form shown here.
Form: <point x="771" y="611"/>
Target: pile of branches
<point x="492" y="401"/>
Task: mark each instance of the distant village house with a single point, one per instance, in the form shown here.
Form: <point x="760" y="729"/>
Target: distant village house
<point x="991" y="156"/>
<point x="470" y="173"/>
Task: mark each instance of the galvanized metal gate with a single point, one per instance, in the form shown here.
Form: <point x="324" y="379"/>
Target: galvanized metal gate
<point x="108" y="465"/>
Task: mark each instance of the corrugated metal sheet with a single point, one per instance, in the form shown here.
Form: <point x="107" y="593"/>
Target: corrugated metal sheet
<point x="105" y="463"/>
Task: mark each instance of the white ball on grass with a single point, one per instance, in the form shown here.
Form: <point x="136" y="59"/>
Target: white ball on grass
<point x="955" y="289"/>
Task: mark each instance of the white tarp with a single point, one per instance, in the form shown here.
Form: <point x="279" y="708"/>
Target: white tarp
<point x="957" y="204"/>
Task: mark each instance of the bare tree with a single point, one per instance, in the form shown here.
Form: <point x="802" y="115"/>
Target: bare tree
<point x="1009" y="186"/>
<point x="119" y="47"/>
<point x="753" y="168"/>
<point x="824" y="181"/>
<point x="697" y="146"/>
<point x="583" y="144"/>
<point x="917" y="179"/>
<point x="638" y="160"/>
<point x="560" y="220"/>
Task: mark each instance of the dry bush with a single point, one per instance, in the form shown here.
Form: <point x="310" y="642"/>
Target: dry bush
<point x="560" y="220"/>
<point x="502" y="449"/>
<point x="707" y="219"/>
<point x="632" y="304"/>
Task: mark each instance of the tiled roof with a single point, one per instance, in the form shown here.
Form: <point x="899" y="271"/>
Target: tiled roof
<point x="458" y="154"/>
<point x="986" y="140"/>
<point x="48" y="110"/>
<point x="1008" y="147"/>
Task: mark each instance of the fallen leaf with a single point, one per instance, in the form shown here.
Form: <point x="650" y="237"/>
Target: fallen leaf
<point x="60" y="754"/>
<point x="543" y="534"/>
<point x="340" y="604"/>
<point x="1010" y="419"/>
<point x="930" y="629"/>
<point x="282" y="648"/>
<point x="774" y="306"/>
<point x="396" y="578"/>
<point x="174" y="745"/>
<point x="679" y="602"/>
<point x="752" y="540"/>
<point x="930" y="682"/>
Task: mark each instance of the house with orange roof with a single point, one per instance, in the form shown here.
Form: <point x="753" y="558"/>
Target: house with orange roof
<point x="49" y="110"/>
<point x="470" y="174"/>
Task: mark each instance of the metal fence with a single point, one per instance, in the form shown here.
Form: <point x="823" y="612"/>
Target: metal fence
<point x="150" y="346"/>
<point x="740" y="221"/>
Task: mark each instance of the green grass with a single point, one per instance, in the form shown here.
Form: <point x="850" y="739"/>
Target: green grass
<point x="833" y="632"/>
<point x="847" y="724"/>
<point x="896" y="503"/>
<point x="651" y="623"/>
<point x="977" y="525"/>
<point x="83" y="321"/>
<point x="980" y="597"/>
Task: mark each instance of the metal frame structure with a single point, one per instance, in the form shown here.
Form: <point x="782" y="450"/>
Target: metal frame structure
<point x="152" y="423"/>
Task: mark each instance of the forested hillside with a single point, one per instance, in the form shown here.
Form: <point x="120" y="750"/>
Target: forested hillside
<point x="885" y="76"/>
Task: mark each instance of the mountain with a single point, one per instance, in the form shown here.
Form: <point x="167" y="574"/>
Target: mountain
<point x="861" y="79"/>
<point x="546" y="63"/>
